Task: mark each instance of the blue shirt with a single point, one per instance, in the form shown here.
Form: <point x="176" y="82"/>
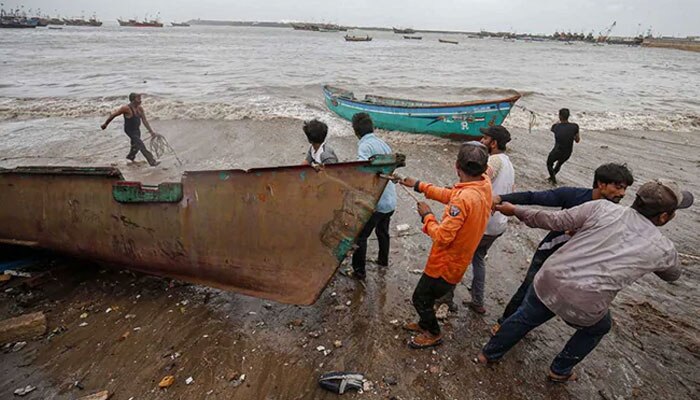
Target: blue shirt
<point x="563" y="197"/>
<point x="369" y="146"/>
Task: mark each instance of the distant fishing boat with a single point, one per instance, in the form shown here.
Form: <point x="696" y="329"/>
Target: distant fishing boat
<point x="350" y="38"/>
<point x="448" y="41"/>
<point x="154" y="23"/>
<point x="16" y="20"/>
<point x="180" y="24"/>
<point x="408" y="31"/>
<point x="455" y="120"/>
<point x="82" y="21"/>
<point x="413" y="37"/>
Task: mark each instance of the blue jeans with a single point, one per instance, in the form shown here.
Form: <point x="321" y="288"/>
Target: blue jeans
<point x="533" y="313"/>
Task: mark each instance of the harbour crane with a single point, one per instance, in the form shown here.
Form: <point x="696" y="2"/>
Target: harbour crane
<point x="604" y="36"/>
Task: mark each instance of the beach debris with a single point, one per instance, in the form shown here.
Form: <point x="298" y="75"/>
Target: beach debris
<point x="18" y="346"/>
<point x="25" y="326"/>
<point x="394" y="322"/>
<point x="103" y="395"/>
<point x="320" y="348"/>
<point x="167" y="381"/>
<point x="315" y="334"/>
<point x="337" y="344"/>
<point x="296" y="322"/>
<point x="237" y="381"/>
<point x="83" y="324"/>
<point x="124" y="336"/>
<point x="267" y="306"/>
<point x="108" y="310"/>
<point x="403" y="228"/>
<point x="347" y="303"/>
<point x="83" y="315"/>
<point x="367" y="385"/>
<point x="25" y="390"/>
<point x="417" y="271"/>
<point x="189" y="381"/>
<point x="341" y="382"/>
<point x="130" y="316"/>
<point x="442" y="311"/>
<point x="252" y="313"/>
<point x="390" y="380"/>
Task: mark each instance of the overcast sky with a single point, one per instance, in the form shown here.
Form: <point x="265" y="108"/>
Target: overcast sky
<point x="672" y="17"/>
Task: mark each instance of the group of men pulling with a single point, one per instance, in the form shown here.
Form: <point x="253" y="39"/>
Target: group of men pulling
<point x="594" y="249"/>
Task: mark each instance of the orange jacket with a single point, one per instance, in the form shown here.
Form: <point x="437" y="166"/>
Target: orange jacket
<point x="467" y="211"/>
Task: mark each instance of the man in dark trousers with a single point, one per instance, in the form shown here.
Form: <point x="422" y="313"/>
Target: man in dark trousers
<point x="609" y="183"/>
<point x="368" y="146"/>
<point x="612" y="248"/>
<point x="133" y="115"/>
<point x="565" y="133"/>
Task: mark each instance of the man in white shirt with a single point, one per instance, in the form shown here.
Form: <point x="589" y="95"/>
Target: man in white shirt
<point x="500" y="170"/>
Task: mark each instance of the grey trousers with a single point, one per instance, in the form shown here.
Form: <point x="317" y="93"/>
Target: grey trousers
<point x="478" y="273"/>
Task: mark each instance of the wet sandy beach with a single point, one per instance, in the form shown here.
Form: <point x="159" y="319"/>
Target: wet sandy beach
<point x="190" y="331"/>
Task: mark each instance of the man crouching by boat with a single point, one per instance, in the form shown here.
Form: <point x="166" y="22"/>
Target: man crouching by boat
<point x="133" y="114"/>
<point x="455" y="238"/>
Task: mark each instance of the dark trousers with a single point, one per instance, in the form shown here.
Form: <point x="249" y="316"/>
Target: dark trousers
<point x="378" y="222"/>
<point x="478" y="273"/>
<point x="427" y="291"/>
<point x="533" y="313"/>
<point x="559" y="157"/>
<point x="538" y="259"/>
<point x="138" y="145"/>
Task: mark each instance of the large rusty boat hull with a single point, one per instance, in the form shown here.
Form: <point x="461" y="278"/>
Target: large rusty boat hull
<point x="275" y="233"/>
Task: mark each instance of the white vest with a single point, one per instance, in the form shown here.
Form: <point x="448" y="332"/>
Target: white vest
<point x="502" y="184"/>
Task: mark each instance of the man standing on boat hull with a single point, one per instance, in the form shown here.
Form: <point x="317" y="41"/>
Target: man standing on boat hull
<point x="133" y="114"/>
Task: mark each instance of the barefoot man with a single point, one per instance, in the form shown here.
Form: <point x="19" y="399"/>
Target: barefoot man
<point x="133" y="114"/>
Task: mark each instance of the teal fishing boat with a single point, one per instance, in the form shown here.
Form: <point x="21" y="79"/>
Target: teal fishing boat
<point x="455" y="120"/>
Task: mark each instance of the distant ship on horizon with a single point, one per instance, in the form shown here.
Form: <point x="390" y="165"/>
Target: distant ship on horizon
<point x="153" y="23"/>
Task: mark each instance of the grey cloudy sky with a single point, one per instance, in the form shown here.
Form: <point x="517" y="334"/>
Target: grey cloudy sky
<point x="673" y="17"/>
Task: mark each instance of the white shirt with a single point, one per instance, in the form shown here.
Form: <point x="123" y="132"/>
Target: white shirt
<point x="502" y="182"/>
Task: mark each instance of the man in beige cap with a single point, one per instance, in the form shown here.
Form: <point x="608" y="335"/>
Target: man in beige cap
<point x="612" y="247"/>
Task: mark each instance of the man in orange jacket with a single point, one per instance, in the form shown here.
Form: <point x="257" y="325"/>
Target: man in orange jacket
<point x="455" y="238"/>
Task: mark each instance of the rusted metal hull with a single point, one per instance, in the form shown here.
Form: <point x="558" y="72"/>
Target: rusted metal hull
<point x="275" y="233"/>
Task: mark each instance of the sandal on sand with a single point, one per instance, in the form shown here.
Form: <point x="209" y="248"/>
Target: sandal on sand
<point x="562" y="378"/>
<point x="425" y="340"/>
<point x="481" y="359"/>
<point x="412" y="327"/>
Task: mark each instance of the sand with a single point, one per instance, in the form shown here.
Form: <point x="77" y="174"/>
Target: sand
<point x="652" y="351"/>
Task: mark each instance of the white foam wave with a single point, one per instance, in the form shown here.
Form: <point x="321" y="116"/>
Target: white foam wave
<point x="264" y="107"/>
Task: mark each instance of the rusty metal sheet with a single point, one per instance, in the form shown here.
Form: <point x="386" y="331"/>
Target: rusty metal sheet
<point x="276" y="233"/>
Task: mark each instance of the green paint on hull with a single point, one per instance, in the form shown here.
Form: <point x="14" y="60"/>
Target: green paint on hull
<point x="134" y="192"/>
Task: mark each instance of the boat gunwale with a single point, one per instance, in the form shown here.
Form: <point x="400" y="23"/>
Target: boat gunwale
<point x="330" y="91"/>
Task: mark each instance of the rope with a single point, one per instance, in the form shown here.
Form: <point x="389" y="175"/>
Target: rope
<point x="533" y="117"/>
<point x="159" y="144"/>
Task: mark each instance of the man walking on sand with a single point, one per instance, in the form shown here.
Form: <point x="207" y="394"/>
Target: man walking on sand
<point x="612" y="248"/>
<point x="368" y="146"/>
<point x="133" y="114"/>
<point x="455" y="238"/>
<point x="565" y="133"/>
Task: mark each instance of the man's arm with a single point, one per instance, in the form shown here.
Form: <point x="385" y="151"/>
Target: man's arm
<point x="363" y="152"/>
<point x="430" y="191"/>
<point x="571" y="219"/>
<point x="444" y="233"/>
<point x="577" y="138"/>
<point x="495" y="165"/>
<point x="671" y="267"/>
<point x="545" y="198"/>
<point x="119" y="111"/>
<point x="145" y="121"/>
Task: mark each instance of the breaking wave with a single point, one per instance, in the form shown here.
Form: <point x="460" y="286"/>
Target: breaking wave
<point x="267" y="107"/>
